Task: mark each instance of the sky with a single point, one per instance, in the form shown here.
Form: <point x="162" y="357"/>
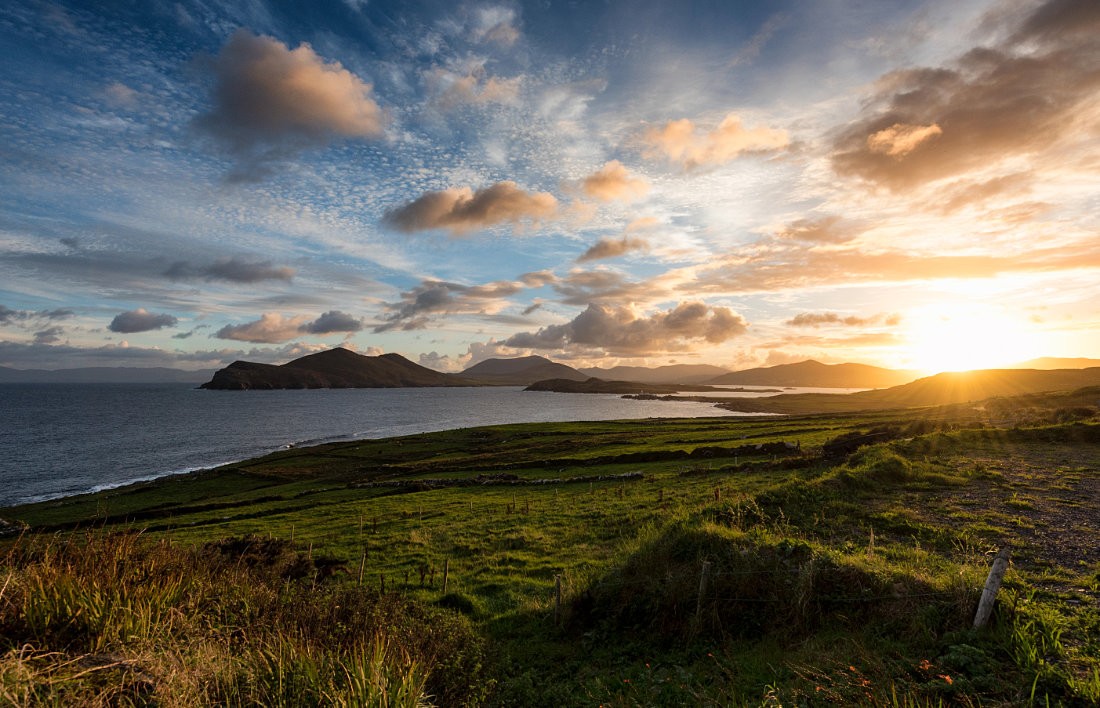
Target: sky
<point x="909" y="184"/>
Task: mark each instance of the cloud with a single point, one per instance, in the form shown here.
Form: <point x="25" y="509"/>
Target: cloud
<point x="494" y="24"/>
<point x="605" y="286"/>
<point x="612" y="247"/>
<point x="270" y="100"/>
<point x="816" y="319"/>
<point x="777" y="270"/>
<point x="333" y="321"/>
<point x="1021" y="97"/>
<point x="472" y="87"/>
<point x="827" y="229"/>
<point x="10" y="316"/>
<point x="461" y="210"/>
<point x="234" y="270"/>
<point x="274" y="328"/>
<point x="440" y="362"/>
<point x="678" y="142"/>
<point x="899" y="140"/>
<point x="435" y="297"/>
<point x="964" y="194"/>
<point x="613" y="181"/>
<point x="50" y="335"/>
<point x="121" y="95"/>
<point x="140" y="320"/>
<point x="271" y="328"/>
<point x="619" y="331"/>
<point x="538" y="278"/>
<point x="751" y="50"/>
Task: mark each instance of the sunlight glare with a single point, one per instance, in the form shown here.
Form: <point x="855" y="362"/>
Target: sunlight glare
<point x="963" y="337"/>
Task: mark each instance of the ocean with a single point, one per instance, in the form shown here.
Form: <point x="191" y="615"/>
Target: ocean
<point x="62" y="439"/>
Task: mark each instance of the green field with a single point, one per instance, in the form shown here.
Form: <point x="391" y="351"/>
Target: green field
<point x="805" y="560"/>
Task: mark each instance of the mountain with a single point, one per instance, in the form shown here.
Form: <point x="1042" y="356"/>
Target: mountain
<point x="521" y="371"/>
<point x="1054" y="362"/>
<point x="670" y="374"/>
<point x="815" y="374"/>
<point x="103" y="374"/>
<point x="335" y="368"/>
<point x="941" y="389"/>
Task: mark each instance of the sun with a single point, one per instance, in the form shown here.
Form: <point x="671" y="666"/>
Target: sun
<point x="960" y="336"/>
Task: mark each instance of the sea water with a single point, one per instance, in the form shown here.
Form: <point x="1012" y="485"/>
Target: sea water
<point x="62" y="439"/>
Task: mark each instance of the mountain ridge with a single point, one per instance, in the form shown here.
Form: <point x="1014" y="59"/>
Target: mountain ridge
<point x="811" y="373"/>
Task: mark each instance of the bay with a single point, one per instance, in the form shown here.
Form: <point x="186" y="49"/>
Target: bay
<point x="62" y="439"/>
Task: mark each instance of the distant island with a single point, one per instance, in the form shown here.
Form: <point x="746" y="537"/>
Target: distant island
<point x="335" y="368"/>
<point x="595" y="385"/>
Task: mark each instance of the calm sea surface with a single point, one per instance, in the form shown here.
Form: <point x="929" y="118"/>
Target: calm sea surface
<point x="63" y="439"/>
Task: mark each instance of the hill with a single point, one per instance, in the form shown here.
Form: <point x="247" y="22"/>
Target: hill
<point x="521" y="371"/>
<point x="103" y="374"/>
<point x="942" y="389"/>
<point x="815" y="374"/>
<point x="671" y="374"/>
<point x="1055" y="362"/>
<point x="335" y="368"/>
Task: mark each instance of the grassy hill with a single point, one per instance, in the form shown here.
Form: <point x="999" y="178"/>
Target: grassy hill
<point x="804" y="560"/>
<point x="941" y="389"/>
<point x="816" y="375"/>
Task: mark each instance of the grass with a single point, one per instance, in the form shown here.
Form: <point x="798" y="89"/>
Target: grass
<point x="757" y="561"/>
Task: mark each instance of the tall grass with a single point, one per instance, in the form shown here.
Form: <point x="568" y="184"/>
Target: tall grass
<point x="117" y="620"/>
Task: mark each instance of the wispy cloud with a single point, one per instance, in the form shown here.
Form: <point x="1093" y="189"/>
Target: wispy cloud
<point x="680" y="142"/>
<point x="234" y="270"/>
<point x="434" y="297"/>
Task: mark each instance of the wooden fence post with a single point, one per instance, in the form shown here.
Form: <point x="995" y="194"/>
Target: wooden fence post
<point x="362" y="566"/>
<point x="992" y="585"/>
<point x="446" y="573"/>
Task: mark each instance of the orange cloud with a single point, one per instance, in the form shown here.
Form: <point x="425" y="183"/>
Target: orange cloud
<point x="268" y="94"/>
<point x="612" y="247"/>
<point x="826" y="229"/>
<point x="679" y="142"/>
<point x="613" y="181"/>
<point x="271" y="328"/>
<point x="816" y="319"/>
<point x="899" y="140"/>
<point x="461" y="209"/>
<point x="1030" y="94"/>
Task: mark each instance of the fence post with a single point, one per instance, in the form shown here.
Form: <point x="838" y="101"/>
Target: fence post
<point x="992" y="585"/>
<point x="704" y="580"/>
<point x="446" y="573"/>
<point x="362" y="566"/>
